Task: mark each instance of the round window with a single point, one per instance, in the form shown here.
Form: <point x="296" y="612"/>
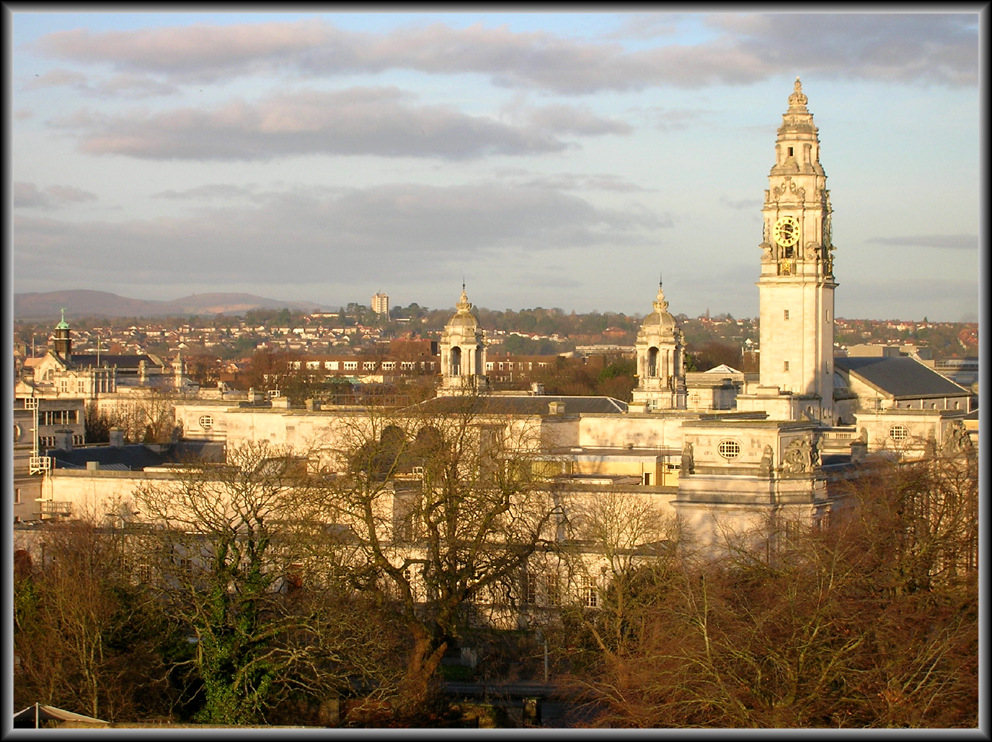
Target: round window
<point x="729" y="449"/>
<point x="206" y="421"/>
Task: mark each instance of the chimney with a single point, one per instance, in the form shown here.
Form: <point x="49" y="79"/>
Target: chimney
<point x="313" y="405"/>
<point x="280" y="403"/>
<point x="116" y="437"/>
<point x="556" y="408"/>
<point x="92" y="466"/>
<point x="537" y="389"/>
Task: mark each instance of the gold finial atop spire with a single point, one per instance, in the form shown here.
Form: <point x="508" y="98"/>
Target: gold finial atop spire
<point x="463" y="304"/>
<point x="797" y="99"/>
<point x="660" y="305"/>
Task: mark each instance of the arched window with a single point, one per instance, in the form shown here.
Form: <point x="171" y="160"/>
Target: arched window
<point x="652" y="362"/>
<point x="456" y="361"/>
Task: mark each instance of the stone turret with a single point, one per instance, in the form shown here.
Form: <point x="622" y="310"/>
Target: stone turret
<point x="61" y="339"/>
<point x="660" y="360"/>
<point x="463" y="352"/>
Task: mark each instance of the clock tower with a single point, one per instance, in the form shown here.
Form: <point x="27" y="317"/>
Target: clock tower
<point x="796" y="287"/>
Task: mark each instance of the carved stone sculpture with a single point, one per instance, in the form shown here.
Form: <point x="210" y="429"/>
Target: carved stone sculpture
<point x="800" y="457"/>
<point x="688" y="465"/>
<point x="765" y="467"/>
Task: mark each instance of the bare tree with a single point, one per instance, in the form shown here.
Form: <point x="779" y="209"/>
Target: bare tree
<point x="870" y="620"/>
<point x="446" y="503"/>
<point x="236" y="552"/>
<point x="84" y="638"/>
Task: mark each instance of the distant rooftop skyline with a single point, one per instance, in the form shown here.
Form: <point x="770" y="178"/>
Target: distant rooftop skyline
<point x="549" y="159"/>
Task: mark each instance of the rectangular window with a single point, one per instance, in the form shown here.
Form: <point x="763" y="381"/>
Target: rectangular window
<point x="551" y="586"/>
<point x="589" y="595"/>
<point x="785" y="366"/>
<point x="530" y="588"/>
<point x="786" y="314"/>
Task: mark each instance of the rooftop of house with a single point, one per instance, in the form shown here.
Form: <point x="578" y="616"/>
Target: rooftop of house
<point x="900" y="376"/>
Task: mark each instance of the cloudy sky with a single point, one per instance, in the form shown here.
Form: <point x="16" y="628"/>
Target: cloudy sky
<point x="549" y="159"/>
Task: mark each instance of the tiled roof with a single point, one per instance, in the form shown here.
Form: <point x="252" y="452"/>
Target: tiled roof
<point x="134" y="457"/>
<point x="107" y="360"/>
<point x="900" y="377"/>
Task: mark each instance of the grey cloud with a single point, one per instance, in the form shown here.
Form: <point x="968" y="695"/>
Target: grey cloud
<point x="744" y="203"/>
<point x="57" y="78"/>
<point x="23" y="113"/>
<point x="358" y="121"/>
<point x="944" y="241"/>
<point x="122" y="86"/>
<point x="674" y="119"/>
<point x="925" y="47"/>
<point x="564" y="119"/>
<point x="28" y="195"/>
<point x="207" y="192"/>
<point x="646" y="26"/>
<point x="133" y="86"/>
<point x="947" y="300"/>
<point x="575" y="182"/>
<point x="382" y="232"/>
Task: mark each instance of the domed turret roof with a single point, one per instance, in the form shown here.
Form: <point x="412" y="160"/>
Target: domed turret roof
<point x="463" y="317"/>
<point x="63" y="325"/>
<point x="660" y="316"/>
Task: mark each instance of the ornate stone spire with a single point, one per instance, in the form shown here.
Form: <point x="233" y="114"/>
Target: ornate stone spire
<point x="797" y="99"/>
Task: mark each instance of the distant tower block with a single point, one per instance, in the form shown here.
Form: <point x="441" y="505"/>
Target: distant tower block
<point x="380" y="304"/>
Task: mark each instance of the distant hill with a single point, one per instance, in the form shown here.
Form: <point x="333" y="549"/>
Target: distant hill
<point x="82" y="303"/>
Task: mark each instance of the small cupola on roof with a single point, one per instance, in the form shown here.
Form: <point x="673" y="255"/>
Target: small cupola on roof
<point x="61" y="339"/>
<point x="463" y="351"/>
<point x="660" y="360"/>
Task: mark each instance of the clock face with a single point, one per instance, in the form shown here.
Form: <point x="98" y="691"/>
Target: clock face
<point x="786" y="231"/>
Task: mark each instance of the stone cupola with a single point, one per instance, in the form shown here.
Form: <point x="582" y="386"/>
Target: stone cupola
<point x="463" y="352"/>
<point x="660" y="359"/>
